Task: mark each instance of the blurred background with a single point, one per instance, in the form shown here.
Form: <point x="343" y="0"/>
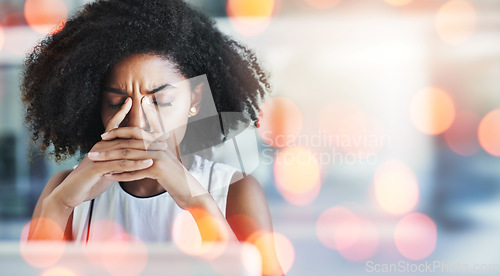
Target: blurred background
<point x="379" y="148"/>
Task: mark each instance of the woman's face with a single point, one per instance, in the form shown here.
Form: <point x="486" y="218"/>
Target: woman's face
<point x="166" y="94"/>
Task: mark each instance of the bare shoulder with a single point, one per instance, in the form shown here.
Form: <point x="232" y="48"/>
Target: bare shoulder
<point x="245" y="187"/>
<point x="246" y="201"/>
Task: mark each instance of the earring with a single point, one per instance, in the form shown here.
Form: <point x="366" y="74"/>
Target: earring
<point x="192" y="110"/>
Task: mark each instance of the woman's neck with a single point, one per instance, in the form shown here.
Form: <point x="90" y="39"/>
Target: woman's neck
<point x="146" y="187"/>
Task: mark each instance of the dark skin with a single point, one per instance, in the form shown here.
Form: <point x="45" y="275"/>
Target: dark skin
<point x="141" y="152"/>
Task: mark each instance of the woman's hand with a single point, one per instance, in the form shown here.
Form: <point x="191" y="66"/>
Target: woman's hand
<point x="134" y="143"/>
<point x="123" y="144"/>
<point x="86" y="181"/>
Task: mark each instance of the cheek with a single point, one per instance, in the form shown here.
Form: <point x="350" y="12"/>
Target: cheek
<point x="175" y="118"/>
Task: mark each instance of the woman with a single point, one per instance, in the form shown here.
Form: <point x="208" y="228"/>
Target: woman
<point x="124" y="83"/>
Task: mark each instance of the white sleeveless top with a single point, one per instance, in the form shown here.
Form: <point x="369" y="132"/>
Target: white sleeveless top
<point x="150" y="219"/>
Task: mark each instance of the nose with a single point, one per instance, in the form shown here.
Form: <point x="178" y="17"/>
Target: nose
<point x="136" y="116"/>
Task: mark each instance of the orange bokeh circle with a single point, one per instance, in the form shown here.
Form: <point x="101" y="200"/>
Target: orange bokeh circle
<point x="489" y="132"/>
<point x="432" y="111"/>
<point x="280" y="122"/>
<point x="46" y="16"/>
<point x="297" y="175"/>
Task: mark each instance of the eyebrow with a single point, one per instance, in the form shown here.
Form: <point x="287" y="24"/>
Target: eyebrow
<point x="120" y="92"/>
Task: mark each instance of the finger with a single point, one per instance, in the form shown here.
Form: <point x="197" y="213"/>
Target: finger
<point x="117" y="119"/>
<point x="129" y="144"/>
<point x="128" y="133"/>
<point x="124" y="154"/>
<point x="128" y="176"/>
<point x="123" y="166"/>
<point x="153" y="115"/>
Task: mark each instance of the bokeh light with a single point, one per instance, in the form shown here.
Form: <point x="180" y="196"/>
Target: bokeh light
<point x="366" y="244"/>
<point x="398" y="2"/>
<point x="248" y="254"/>
<point x="323" y="4"/>
<point x="250" y="17"/>
<point x="415" y="236"/>
<point x="338" y="228"/>
<point x="242" y="224"/>
<point x="461" y="136"/>
<point x="196" y="237"/>
<point x="58" y="271"/>
<point x="364" y="134"/>
<point x="54" y="250"/>
<point x="128" y="258"/>
<point x="456" y="21"/>
<point x="280" y="122"/>
<point x="297" y="175"/>
<point x="2" y="38"/>
<point x="432" y="111"/>
<point x="396" y="187"/>
<point x="352" y="130"/>
<point x="46" y="16"/>
<point x="125" y="254"/>
<point x="489" y="132"/>
<point x="267" y="243"/>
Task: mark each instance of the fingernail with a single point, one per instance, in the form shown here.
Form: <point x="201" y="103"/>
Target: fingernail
<point x="93" y="154"/>
<point x="104" y="135"/>
<point x="147" y="161"/>
<point x="108" y="174"/>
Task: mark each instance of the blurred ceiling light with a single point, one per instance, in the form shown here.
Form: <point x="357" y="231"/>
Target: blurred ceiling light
<point x="396" y="187"/>
<point x="280" y="122"/>
<point x="398" y="2"/>
<point x="323" y="4"/>
<point x="297" y="175"/>
<point x="415" y="236"/>
<point x="489" y="133"/>
<point x="456" y="21"/>
<point x="46" y="16"/>
<point x="432" y="111"/>
<point x="461" y="136"/>
<point x="250" y="17"/>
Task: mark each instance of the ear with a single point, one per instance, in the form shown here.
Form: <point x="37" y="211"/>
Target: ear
<point x="196" y="98"/>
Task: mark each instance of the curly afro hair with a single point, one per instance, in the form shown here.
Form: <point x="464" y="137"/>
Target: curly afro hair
<point x="63" y="77"/>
